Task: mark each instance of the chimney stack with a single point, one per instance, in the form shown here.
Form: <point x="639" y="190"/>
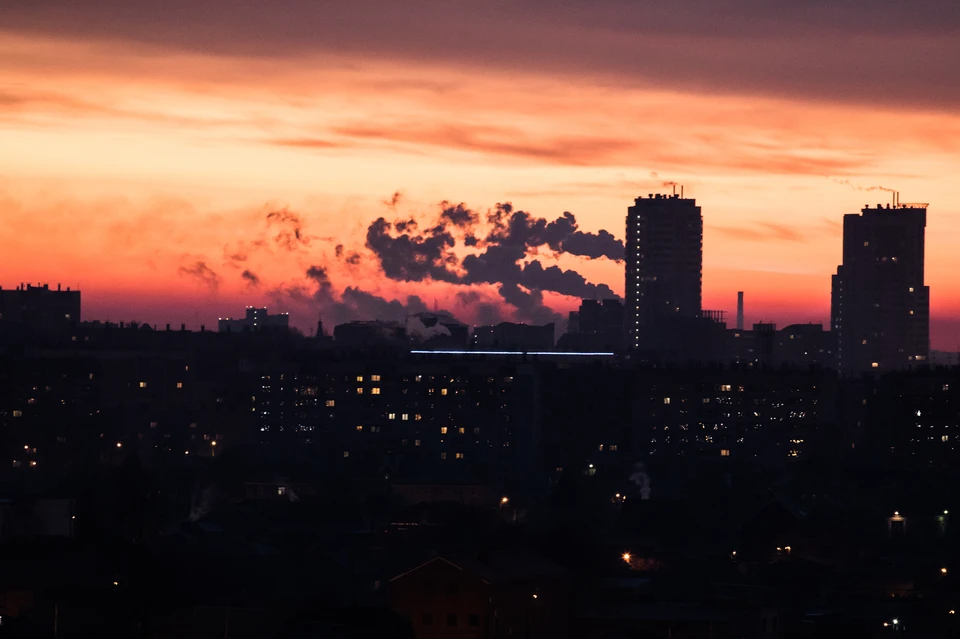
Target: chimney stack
<point x="740" y="310"/>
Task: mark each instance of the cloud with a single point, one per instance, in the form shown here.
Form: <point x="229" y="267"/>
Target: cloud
<point x="762" y="232"/>
<point x="251" y="278"/>
<point x="202" y="274"/>
<point x="853" y="51"/>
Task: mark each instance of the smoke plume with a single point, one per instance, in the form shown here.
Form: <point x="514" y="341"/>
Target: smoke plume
<point x="641" y="479"/>
<point x="251" y="278"/>
<point x="201" y="273"/>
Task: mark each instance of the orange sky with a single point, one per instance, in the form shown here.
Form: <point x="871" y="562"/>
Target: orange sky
<point x="122" y="162"/>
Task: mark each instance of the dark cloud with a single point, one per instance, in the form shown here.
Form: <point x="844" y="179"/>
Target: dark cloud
<point x="202" y="274"/>
<point x="251" y="278"/>
<point x="412" y="258"/>
<point x="289" y="228"/>
<point x="393" y="201"/>
<point x="881" y="51"/>
<point x="509" y="238"/>
<point x="357" y="304"/>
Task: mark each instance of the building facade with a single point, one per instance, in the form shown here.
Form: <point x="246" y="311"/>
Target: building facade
<point x="664" y="256"/>
<point x="255" y="319"/>
<point x="880" y="307"/>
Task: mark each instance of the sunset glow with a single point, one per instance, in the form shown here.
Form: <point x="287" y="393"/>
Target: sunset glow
<point x="126" y="161"/>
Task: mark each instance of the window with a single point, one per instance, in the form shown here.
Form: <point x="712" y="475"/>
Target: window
<point x="143" y="384"/>
<point x="443" y="391"/>
<point x="331" y="403"/>
<point x="666" y="400"/>
<point x="443" y="430"/>
<point x="405" y="417"/>
<point x="391" y="415"/>
<point x="375" y="390"/>
<point x="613" y="448"/>
<point x="476" y="431"/>
<point x="359" y="391"/>
<point x="724" y="452"/>
<point x="474" y="621"/>
<point x="443" y="455"/>
<point x="725" y="388"/>
<point x="417" y="417"/>
<point x="91" y="376"/>
<point x="359" y="428"/>
<point x="346" y="454"/>
<point x="179" y="384"/>
<point x="281" y="490"/>
<point x="911" y="289"/>
<point x="461" y="430"/>
<point x="416" y="442"/>
<point x="866" y="243"/>
<point x="875" y="365"/>
<point x="374" y="378"/>
<point x="459" y="455"/>
<point x="451" y="620"/>
<point x="18" y="413"/>
<point x="359" y="378"/>
<point x="427" y="619"/>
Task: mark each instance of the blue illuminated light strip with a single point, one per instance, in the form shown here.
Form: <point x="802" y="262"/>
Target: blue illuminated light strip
<point x="560" y="353"/>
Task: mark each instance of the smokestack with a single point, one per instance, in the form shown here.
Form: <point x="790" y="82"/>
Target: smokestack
<point x="739" y="310"/>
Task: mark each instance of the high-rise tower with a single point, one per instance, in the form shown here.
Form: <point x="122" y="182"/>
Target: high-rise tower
<point x="664" y="256"/>
<point x="880" y="307"/>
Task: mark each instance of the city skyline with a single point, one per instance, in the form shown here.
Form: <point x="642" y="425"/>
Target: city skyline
<point x="154" y="151"/>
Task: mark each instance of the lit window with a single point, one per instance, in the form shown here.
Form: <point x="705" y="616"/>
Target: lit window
<point x="331" y="403"/>
<point x="945" y="438"/>
<point x="666" y="400"/>
<point x="18" y="413"/>
<point x="911" y="312"/>
<point x="91" y="376"/>
<point x="391" y="415"/>
<point x="416" y="442"/>
<point x="359" y="391"/>
<point x="346" y="453"/>
<point x="281" y="490"/>
<point x="443" y="391"/>
<point x="443" y="455"/>
<point x="375" y="390"/>
<point x="601" y="448"/>
<point x="875" y="364"/>
<point x="461" y="430"/>
<point x="359" y="428"/>
<point x="725" y="388"/>
<point x="866" y="243"/>
<point x="67" y="316"/>
<point x="613" y="448"/>
<point x="724" y="452"/>
<point x="405" y="417"/>
<point x="359" y="378"/>
<point x="418" y="378"/>
<point x="179" y="384"/>
<point x="910" y="289"/>
<point x="863" y="342"/>
<point x="374" y="378"/>
<point x="417" y="417"/>
<point x="443" y="430"/>
<point x="459" y="455"/>
<point x="143" y="384"/>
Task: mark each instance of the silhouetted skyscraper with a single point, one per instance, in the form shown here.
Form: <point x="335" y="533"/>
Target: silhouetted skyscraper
<point x="880" y="307"/>
<point x="664" y="256"/>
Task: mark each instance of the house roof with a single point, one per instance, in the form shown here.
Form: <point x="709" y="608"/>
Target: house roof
<point x="498" y="567"/>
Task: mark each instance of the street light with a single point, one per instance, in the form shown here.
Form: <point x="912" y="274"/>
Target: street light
<point x="626" y="557"/>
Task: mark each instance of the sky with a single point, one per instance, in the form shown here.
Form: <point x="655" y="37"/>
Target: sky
<point x="181" y="160"/>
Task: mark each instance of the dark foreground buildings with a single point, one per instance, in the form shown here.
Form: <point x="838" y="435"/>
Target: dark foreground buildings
<point x="880" y="307"/>
<point x="664" y="256"/>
